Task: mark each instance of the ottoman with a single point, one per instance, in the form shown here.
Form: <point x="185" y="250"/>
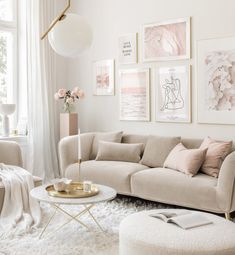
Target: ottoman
<point x="141" y="234"/>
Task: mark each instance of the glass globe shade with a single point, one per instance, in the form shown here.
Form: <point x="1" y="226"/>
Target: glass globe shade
<point x="71" y="36"/>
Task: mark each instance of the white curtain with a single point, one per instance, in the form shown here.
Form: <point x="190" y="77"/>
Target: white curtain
<point x="41" y="86"/>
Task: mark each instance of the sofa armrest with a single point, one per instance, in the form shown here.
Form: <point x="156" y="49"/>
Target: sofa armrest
<point x="225" y="186"/>
<point x="68" y="150"/>
<point x="10" y="153"/>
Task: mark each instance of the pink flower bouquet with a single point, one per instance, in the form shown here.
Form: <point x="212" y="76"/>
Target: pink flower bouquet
<point x="70" y="97"/>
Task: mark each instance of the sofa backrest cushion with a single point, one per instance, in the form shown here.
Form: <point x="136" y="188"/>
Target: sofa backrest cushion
<point x="119" y="152"/>
<point x="132" y="138"/>
<point x="157" y="149"/>
<point x="115" y="137"/>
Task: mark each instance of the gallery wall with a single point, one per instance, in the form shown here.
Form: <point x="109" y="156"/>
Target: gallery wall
<point x="111" y="18"/>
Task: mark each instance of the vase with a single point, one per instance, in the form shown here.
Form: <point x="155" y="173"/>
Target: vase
<point x="68" y="124"/>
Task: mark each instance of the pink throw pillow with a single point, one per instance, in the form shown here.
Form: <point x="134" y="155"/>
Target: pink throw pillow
<point x="216" y="153"/>
<point x="185" y="160"/>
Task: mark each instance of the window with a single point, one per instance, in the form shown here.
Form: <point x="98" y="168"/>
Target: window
<point x="8" y="54"/>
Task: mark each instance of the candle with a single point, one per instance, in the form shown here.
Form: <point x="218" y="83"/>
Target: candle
<point x="79" y="145"/>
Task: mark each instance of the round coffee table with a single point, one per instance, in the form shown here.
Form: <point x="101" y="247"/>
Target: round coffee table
<point x="105" y="194"/>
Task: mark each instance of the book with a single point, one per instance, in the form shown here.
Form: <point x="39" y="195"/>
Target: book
<point x="184" y="219"/>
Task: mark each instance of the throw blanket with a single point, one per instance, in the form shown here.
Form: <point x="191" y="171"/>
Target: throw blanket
<point x="18" y="206"/>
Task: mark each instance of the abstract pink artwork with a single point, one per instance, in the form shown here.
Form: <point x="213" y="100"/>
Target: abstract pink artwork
<point x="216" y="80"/>
<point x="220" y="80"/>
<point x="167" y="41"/>
<point x="103" y="77"/>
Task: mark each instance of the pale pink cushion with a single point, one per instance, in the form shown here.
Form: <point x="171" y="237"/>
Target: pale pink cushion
<point x="216" y="153"/>
<point x="185" y="160"/>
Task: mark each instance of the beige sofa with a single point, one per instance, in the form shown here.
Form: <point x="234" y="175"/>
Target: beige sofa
<point x="157" y="184"/>
<point x="10" y="154"/>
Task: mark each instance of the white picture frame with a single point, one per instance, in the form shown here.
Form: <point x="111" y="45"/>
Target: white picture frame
<point x="134" y="94"/>
<point x="168" y="40"/>
<point x="128" y="49"/>
<point x="216" y="80"/>
<point x="173" y="94"/>
<point x="103" y="78"/>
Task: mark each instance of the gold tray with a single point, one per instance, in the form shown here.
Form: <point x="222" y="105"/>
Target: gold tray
<point x="76" y="191"/>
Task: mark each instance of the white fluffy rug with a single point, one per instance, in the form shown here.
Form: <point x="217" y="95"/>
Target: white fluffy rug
<point x="73" y="238"/>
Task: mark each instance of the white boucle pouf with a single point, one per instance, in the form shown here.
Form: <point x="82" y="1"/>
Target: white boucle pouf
<point x="141" y="234"/>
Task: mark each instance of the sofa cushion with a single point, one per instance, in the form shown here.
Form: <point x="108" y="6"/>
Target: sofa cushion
<point x="172" y="187"/>
<point x="119" y="152"/>
<point x="185" y="160"/>
<point x="216" y="153"/>
<point x="115" y="137"/>
<point x="157" y="150"/>
<point x="115" y="174"/>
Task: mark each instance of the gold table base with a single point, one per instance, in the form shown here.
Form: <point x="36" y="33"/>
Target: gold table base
<point x="76" y="217"/>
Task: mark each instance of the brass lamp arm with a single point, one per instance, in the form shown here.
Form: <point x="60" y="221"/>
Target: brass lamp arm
<point x="56" y="20"/>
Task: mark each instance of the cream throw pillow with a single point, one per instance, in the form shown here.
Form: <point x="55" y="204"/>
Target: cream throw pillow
<point x="185" y="160"/>
<point x="115" y="137"/>
<point x="157" y="150"/>
<point x="216" y="153"/>
<point x="119" y="152"/>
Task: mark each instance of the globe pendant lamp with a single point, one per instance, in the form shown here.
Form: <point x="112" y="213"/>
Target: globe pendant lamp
<point x="69" y="35"/>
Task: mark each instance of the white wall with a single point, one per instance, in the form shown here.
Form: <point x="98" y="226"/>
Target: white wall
<point x="111" y="18"/>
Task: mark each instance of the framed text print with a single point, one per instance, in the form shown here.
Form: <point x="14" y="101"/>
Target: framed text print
<point x="127" y="49"/>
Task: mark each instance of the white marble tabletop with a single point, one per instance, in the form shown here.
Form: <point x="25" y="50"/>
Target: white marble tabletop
<point x="105" y="194"/>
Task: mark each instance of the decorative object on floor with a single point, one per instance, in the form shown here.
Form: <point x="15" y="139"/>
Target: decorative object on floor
<point x="69" y="34"/>
<point x="127" y="48"/>
<point x="109" y="215"/>
<point x="103" y="78"/>
<point x="68" y="124"/>
<point x="169" y="40"/>
<point x="70" y="97"/>
<point x="18" y="207"/>
<point x="142" y="234"/>
<point x="134" y="94"/>
<point x="173" y="94"/>
<point x="216" y="80"/>
<point x="5" y="110"/>
<point x="105" y="194"/>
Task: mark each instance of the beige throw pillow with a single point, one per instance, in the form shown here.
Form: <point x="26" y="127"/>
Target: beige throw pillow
<point x="115" y="137"/>
<point x="185" y="160"/>
<point x="157" y="149"/>
<point x="119" y="152"/>
<point x="216" y="153"/>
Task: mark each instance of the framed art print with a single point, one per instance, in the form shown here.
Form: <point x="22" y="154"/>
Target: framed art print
<point x="169" y="40"/>
<point x="173" y="94"/>
<point x="127" y="49"/>
<point x="103" y="78"/>
<point x="216" y="80"/>
<point x="134" y="94"/>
